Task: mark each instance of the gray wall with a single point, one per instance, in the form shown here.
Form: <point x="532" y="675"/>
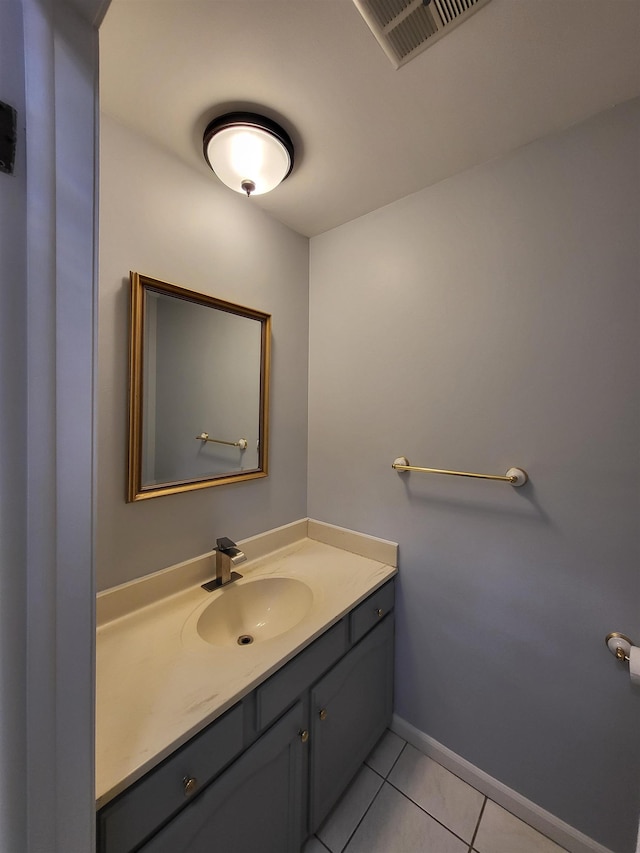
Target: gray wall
<point x="12" y="432"/>
<point x="490" y="321"/>
<point x="165" y="220"/>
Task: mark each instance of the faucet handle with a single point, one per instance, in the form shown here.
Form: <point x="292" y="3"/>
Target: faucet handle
<point x="225" y="544"/>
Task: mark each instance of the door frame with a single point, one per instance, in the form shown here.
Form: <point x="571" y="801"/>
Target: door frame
<point x="61" y="99"/>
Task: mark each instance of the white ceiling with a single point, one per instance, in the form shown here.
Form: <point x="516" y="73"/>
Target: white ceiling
<point x="365" y="134"/>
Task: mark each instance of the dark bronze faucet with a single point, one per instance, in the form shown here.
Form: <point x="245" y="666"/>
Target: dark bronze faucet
<point x="227" y="555"/>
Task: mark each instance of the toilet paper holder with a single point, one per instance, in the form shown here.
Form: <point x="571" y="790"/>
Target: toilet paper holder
<point x="619" y="645"/>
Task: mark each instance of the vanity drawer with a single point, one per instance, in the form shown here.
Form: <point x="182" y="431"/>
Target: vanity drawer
<point x="371" y="611"/>
<point x="132" y="817"/>
<point x="283" y="688"/>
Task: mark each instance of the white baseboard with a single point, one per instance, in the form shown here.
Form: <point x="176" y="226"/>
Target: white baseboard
<point x="546" y="823"/>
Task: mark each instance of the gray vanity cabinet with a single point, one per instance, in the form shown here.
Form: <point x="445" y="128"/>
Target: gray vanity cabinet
<point x="263" y="777"/>
<point x="350" y="708"/>
<point x="255" y="805"/>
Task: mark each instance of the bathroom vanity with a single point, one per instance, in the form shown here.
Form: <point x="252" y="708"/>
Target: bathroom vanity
<point x="274" y="749"/>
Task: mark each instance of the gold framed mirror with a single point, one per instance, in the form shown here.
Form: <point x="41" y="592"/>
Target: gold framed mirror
<point x="198" y="390"/>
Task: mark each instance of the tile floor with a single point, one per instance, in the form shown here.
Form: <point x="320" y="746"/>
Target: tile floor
<point x="401" y="801"/>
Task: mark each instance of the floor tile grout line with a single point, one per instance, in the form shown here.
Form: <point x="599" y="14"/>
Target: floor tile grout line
<point x="469" y="844"/>
<point x="412" y="801"/>
<point x="396" y="761"/>
<point x="366" y="812"/>
<point x="418" y="806"/>
<point x="520" y="820"/>
<point x="435" y="761"/>
<point x="486" y="800"/>
<point x="380" y="776"/>
<point x="393" y="764"/>
<point x="475" y="833"/>
<point x="384" y="779"/>
<point x="373" y="770"/>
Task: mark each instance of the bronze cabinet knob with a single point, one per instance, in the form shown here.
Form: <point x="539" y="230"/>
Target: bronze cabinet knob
<point x="189" y="784"/>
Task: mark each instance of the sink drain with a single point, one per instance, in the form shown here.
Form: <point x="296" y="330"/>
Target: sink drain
<point x="245" y="640"/>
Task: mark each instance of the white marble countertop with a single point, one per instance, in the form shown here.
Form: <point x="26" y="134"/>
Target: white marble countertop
<point x="159" y="683"/>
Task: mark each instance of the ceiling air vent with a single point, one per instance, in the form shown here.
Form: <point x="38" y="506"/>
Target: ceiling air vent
<point x="404" y="28"/>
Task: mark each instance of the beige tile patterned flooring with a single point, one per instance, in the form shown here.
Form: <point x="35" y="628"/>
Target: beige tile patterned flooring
<point x="401" y="801"/>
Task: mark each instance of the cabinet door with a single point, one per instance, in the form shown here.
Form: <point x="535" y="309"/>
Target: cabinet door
<point x="255" y="805"/>
<point x="350" y="709"/>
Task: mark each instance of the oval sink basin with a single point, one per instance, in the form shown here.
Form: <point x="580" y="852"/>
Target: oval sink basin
<point x="254" y="611"/>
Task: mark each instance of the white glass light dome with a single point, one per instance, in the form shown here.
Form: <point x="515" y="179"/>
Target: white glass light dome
<point x="248" y="152"/>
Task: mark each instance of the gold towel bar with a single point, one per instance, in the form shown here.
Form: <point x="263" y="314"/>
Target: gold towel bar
<point x="619" y="645"/>
<point x="514" y="476"/>
<point x="241" y="443"/>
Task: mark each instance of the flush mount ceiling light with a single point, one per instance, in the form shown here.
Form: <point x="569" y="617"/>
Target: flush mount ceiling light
<point x="249" y="153"/>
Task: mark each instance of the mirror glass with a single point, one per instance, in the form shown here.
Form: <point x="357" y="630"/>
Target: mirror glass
<point x="199" y="376"/>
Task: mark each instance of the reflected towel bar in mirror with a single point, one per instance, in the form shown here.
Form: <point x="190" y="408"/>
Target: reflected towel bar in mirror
<point x="241" y="442"/>
<point x="514" y="476"/>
